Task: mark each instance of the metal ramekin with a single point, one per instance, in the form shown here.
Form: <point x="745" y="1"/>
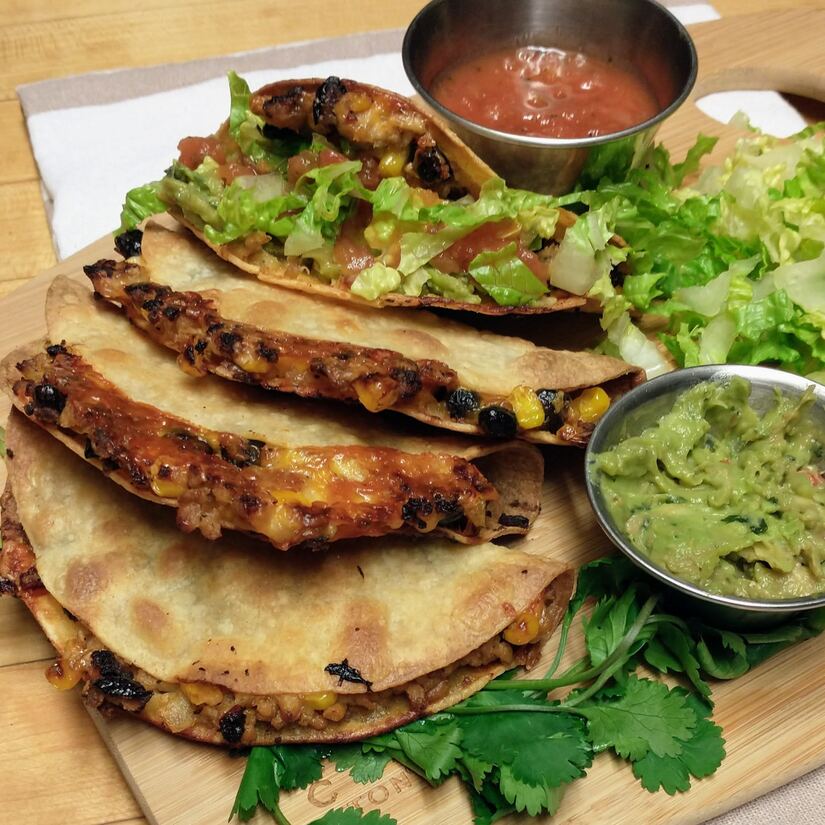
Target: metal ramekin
<point x="642" y="407"/>
<point x="640" y="33"/>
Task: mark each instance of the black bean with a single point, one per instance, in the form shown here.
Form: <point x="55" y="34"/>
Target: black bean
<point x="47" y="395"/>
<point x="128" y="243"/>
<point x="431" y="165"/>
<point x="107" y="664"/>
<point x="277" y="132"/>
<point x="549" y="400"/>
<point x="498" y="422"/>
<point x="232" y="724"/>
<point x="506" y="520"/>
<point x="460" y="402"/>
<point x="123" y="688"/>
<point x="328" y="94"/>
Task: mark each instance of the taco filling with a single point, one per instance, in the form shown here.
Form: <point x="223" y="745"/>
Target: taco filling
<point x="338" y="184"/>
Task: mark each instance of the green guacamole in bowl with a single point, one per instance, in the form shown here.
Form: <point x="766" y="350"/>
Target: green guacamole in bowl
<point x="723" y="497"/>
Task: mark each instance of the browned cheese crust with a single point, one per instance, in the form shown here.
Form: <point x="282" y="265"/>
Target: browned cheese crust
<point x="190" y="324"/>
<point x="224" y="481"/>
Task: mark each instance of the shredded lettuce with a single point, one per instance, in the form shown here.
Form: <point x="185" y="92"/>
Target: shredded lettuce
<point x="505" y="277"/>
<point x="735" y="263"/>
<point x="141" y="202"/>
<point x="375" y="281"/>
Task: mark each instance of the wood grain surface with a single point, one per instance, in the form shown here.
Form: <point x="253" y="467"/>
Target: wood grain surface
<point x="54" y="765"/>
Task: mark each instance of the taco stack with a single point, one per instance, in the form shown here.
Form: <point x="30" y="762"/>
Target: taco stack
<point x="234" y="503"/>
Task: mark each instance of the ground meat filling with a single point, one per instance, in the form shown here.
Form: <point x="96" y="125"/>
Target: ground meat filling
<point x="221" y="480"/>
<point x="381" y="128"/>
<point x="190" y="324"/>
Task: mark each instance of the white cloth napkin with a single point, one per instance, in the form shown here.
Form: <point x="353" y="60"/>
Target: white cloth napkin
<point x="90" y="155"/>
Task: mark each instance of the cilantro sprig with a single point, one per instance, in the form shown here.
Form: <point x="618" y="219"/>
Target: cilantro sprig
<point x="517" y="745"/>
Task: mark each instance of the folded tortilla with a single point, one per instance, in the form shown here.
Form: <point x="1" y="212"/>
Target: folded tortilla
<point x="433" y="369"/>
<point x="232" y="457"/>
<point x="392" y="139"/>
<point x="224" y="642"/>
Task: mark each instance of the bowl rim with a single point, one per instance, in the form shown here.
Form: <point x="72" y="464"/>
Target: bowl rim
<point x="681" y="380"/>
<point x="535" y="141"/>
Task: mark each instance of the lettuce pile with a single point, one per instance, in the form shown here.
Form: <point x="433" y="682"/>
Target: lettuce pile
<point x="735" y="263"/>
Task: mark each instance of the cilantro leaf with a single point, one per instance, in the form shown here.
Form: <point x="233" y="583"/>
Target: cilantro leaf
<point x="700" y="756"/>
<point x="432" y="745"/>
<point x="488" y="803"/>
<point x="476" y="769"/>
<point x="682" y="646"/>
<point x="541" y="748"/>
<point x="363" y="767"/>
<point x="647" y="718"/>
<point x="608" y="624"/>
<point x="353" y="816"/>
<point x="525" y="796"/>
<point x="259" y="784"/>
<point x="660" y="658"/>
<point x="301" y="765"/>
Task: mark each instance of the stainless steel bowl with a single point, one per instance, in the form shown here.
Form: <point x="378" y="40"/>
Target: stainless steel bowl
<point x="638" y="33"/>
<point x="641" y="408"/>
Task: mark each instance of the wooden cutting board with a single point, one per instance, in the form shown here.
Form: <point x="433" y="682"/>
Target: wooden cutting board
<point x="770" y="716"/>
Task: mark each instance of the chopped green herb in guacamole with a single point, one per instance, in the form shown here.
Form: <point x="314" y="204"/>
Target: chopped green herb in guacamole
<point x="724" y="498"/>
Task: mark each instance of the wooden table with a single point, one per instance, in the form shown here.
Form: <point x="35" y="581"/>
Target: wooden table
<point x="53" y="765"/>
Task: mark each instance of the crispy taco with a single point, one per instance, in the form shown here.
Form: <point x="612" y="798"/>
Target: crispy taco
<point x="224" y="642"/>
<point x="433" y="369"/>
<point x="231" y="457"/>
<point x="347" y="190"/>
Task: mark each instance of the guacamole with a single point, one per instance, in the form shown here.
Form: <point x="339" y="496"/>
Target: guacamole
<point x="724" y="498"/>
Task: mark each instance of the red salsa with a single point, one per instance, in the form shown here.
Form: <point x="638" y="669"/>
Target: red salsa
<point x="527" y="90"/>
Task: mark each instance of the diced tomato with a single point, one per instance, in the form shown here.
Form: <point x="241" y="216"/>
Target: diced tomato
<point x="489" y="237"/>
<point x="351" y="251"/>
<point x="194" y="149"/>
<point x="352" y="256"/>
<point x="534" y="263"/>
<point x="299" y="165"/>
<point x="329" y="156"/>
<point x="369" y="172"/>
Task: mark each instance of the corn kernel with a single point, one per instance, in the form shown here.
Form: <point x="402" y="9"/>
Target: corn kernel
<point x="590" y="406"/>
<point x="392" y="163"/>
<point x="371" y="395"/>
<point x="523" y="630"/>
<point x="527" y="407"/>
<point x="321" y="700"/>
<point x="358" y="102"/>
<point x="251" y="363"/>
<point x="166" y="487"/>
<point x="199" y="693"/>
<point x="62" y="675"/>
